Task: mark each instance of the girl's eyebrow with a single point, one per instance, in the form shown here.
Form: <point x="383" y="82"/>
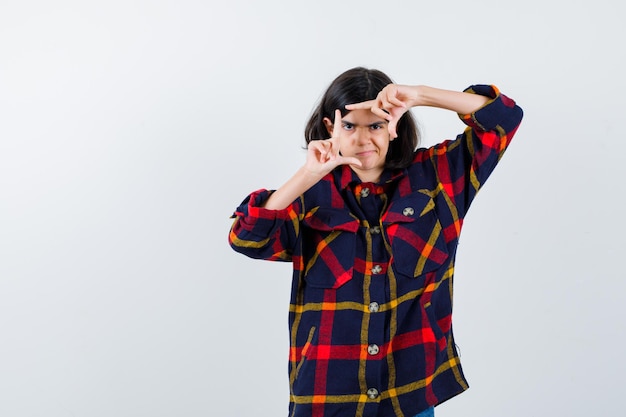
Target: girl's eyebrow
<point x="381" y="122"/>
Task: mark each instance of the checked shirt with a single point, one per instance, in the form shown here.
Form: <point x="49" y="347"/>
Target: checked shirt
<point x="371" y="303"/>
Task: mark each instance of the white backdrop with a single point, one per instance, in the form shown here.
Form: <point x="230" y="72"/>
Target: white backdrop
<point x="130" y="130"/>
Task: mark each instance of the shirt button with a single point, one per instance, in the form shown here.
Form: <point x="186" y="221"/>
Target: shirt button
<point x="375" y="230"/>
<point x="374" y="307"/>
<point x="408" y="211"/>
<point x="372" y="393"/>
<point x="377" y="269"/>
<point x="373" y="349"/>
<point x="365" y="192"/>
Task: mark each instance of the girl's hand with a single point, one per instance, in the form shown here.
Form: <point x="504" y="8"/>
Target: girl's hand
<point x="324" y="155"/>
<point x="391" y="103"/>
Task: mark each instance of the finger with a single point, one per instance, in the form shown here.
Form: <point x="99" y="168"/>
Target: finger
<point x="329" y="152"/>
<point x="392" y="128"/>
<point x="338" y="123"/>
<point x="395" y="102"/>
<point x="380" y="112"/>
<point x="317" y="145"/>
<point x="319" y="149"/>
<point x="332" y="147"/>
<point x="364" y="105"/>
<point x="333" y="144"/>
<point x="351" y="161"/>
<point x="390" y="95"/>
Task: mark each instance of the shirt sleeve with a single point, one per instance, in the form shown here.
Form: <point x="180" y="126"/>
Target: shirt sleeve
<point x="261" y="233"/>
<point x="463" y="165"/>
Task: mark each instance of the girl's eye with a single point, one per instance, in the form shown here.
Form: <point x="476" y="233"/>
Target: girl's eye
<point x="375" y="126"/>
<point x="348" y="126"/>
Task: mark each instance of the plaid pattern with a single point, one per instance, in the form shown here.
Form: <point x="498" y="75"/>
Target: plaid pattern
<point x="371" y="303"/>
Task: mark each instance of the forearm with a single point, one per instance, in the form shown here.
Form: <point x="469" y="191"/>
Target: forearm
<point x="459" y="102"/>
<point x="301" y="181"/>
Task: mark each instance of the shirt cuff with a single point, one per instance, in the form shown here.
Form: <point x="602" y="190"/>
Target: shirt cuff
<point x="498" y="109"/>
<point x="257" y="219"/>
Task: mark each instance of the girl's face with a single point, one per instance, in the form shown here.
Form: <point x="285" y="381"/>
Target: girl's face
<point x="364" y="136"/>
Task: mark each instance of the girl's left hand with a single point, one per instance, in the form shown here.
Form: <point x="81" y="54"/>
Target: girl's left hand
<point x="391" y="103"/>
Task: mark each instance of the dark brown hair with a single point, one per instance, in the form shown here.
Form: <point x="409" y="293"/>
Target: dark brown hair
<point x="354" y="86"/>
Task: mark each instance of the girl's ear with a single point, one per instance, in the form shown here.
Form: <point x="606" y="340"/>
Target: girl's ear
<point x="329" y="125"/>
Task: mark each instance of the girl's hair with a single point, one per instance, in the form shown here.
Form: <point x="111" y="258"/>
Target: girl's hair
<point x="354" y="86"/>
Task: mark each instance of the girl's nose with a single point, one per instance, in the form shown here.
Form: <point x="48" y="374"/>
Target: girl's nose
<point x="362" y="135"/>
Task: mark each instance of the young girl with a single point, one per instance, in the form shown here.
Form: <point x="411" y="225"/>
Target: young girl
<point x="371" y="226"/>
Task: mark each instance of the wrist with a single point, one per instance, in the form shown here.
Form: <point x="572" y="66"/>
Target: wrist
<point x="423" y="96"/>
<point x="308" y="177"/>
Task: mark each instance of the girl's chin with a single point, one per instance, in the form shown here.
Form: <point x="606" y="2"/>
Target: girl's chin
<point x="368" y="165"/>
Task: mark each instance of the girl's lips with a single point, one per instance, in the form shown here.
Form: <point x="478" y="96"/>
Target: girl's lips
<point x="365" y="153"/>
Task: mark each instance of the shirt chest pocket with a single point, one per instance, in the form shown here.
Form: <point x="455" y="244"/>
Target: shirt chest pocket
<point x="415" y="235"/>
<point x="328" y="246"/>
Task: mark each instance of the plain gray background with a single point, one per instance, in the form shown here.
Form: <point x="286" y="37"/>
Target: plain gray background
<point x="130" y="130"/>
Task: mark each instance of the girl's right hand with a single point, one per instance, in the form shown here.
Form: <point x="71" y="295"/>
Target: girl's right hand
<point x="322" y="157"/>
<point x="325" y="155"/>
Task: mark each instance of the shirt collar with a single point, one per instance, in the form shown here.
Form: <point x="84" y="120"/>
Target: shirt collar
<point x="345" y="176"/>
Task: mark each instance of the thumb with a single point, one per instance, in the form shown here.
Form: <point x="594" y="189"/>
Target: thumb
<point x="352" y="161"/>
<point x="393" y="123"/>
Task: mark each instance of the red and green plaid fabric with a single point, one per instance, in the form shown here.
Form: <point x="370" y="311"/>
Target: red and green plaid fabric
<point x="371" y="301"/>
